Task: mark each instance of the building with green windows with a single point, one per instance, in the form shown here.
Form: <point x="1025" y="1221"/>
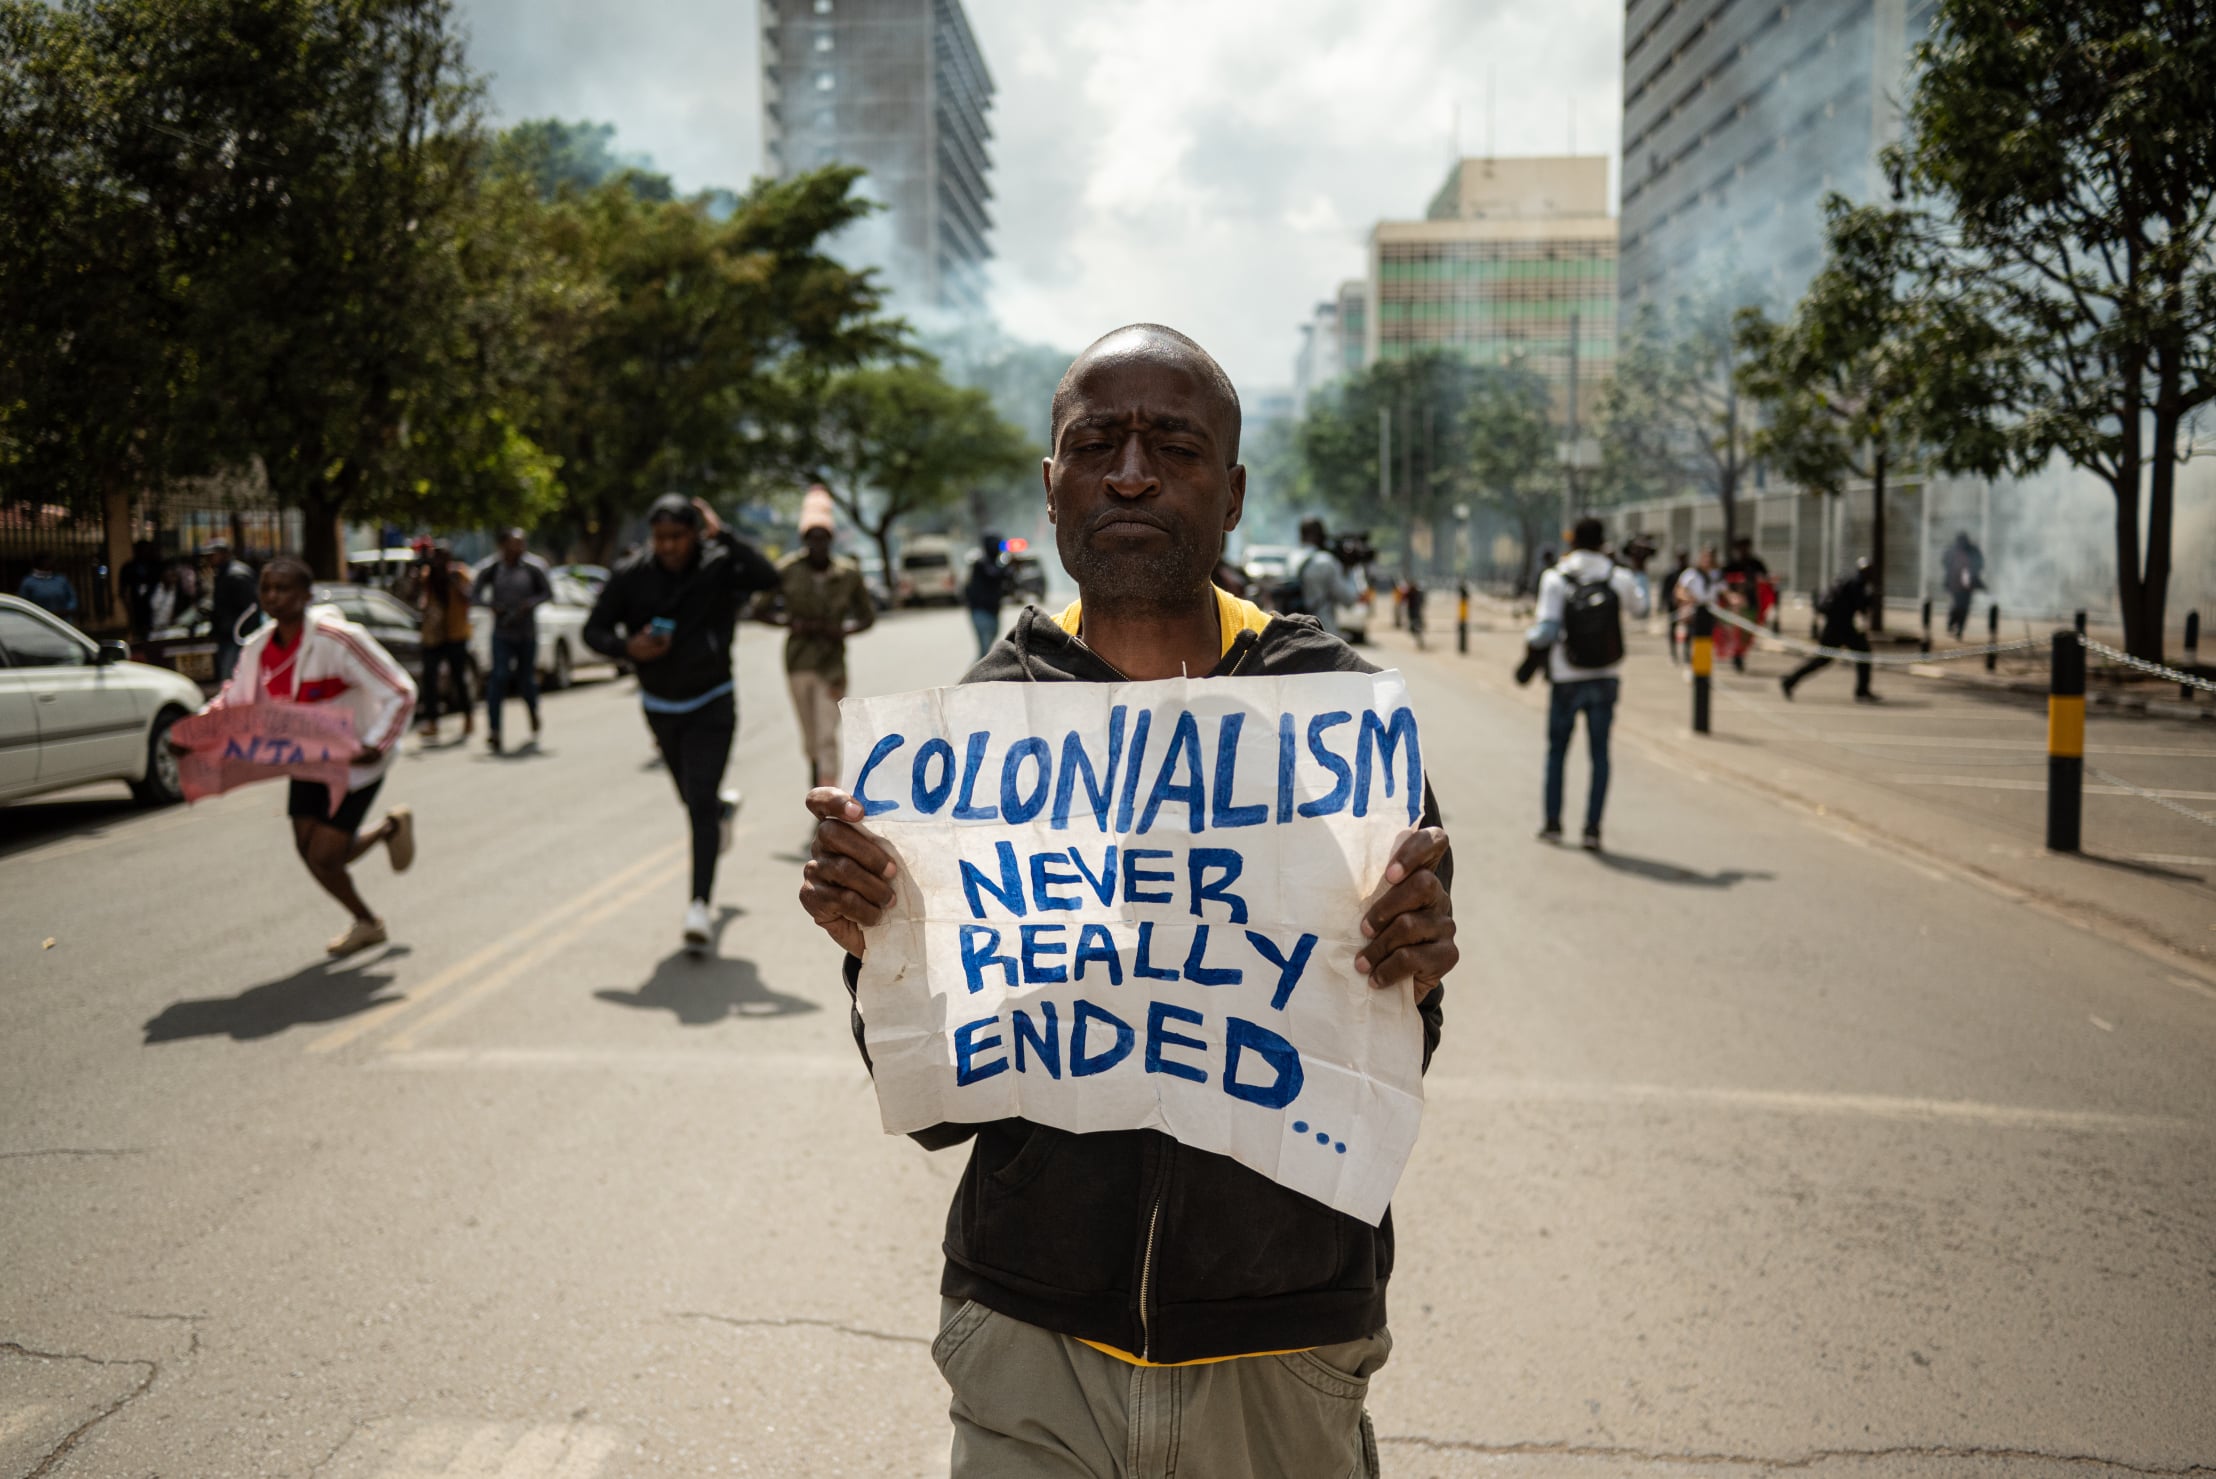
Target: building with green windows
<point x="1514" y="262"/>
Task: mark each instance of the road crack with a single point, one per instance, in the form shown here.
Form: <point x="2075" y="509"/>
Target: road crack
<point x="75" y="1435"/>
<point x="1808" y="1460"/>
<point x="779" y="1322"/>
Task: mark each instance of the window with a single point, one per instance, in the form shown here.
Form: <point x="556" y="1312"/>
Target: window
<point x="823" y="41"/>
<point x="31" y="642"/>
<point x="825" y="82"/>
<point x="823" y="7"/>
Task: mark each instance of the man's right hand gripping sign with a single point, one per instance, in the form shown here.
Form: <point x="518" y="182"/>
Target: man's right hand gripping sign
<point x="1093" y="1276"/>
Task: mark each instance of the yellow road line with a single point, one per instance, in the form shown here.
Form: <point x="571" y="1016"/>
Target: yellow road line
<point x="366" y="1022"/>
<point x="534" y="955"/>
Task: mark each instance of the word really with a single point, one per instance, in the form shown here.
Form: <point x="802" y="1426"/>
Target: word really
<point x="1034" y="776"/>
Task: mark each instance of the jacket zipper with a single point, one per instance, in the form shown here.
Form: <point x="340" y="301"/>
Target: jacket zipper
<point x="1146" y="1263"/>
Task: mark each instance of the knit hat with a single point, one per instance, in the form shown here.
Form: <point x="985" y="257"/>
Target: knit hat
<point x="816" y="510"/>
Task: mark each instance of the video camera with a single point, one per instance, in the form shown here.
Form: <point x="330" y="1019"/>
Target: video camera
<point x="1353" y="550"/>
<point x="1636" y="551"/>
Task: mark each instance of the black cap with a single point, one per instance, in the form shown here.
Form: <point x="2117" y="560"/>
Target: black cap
<point x="674" y="508"/>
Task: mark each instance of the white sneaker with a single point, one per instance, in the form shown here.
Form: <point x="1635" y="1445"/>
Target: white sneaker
<point x="732" y="801"/>
<point x="363" y="934"/>
<point x="698" y="928"/>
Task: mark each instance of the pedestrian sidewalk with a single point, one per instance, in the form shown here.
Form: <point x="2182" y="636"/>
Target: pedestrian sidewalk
<point x="1948" y="773"/>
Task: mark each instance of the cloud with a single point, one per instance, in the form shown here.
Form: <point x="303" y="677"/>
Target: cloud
<point x="1213" y="164"/>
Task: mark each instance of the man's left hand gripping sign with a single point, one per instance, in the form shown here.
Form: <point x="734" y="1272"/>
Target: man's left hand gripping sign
<point x="1140" y="906"/>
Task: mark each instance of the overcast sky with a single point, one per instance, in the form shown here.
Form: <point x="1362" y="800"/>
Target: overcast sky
<point x="1212" y="164"/>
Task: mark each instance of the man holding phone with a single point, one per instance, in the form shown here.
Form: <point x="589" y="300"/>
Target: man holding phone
<point x="670" y="611"/>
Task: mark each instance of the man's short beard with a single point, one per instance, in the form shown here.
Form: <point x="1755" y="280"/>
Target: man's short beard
<point x="1135" y="582"/>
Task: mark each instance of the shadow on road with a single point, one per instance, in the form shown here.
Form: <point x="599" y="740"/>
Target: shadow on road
<point x="1654" y="870"/>
<point x="27" y="824"/>
<point x="704" y="991"/>
<point x="323" y="992"/>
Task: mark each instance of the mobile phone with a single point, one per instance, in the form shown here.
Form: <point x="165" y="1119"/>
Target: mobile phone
<point x="661" y="626"/>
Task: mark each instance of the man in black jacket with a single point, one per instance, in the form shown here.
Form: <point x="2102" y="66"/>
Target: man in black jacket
<point x="1839" y="607"/>
<point x="233" y="595"/>
<point x="1116" y="1302"/>
<point x="670" y="611"/>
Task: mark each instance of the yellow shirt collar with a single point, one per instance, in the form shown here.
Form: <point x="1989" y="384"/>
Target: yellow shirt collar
<point x="1233" y="616"/>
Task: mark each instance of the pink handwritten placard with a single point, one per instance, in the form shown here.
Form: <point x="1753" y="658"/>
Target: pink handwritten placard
<point x="238" y="746"/>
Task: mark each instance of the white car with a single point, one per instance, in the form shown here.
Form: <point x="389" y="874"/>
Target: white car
<point x="561" y="624"/>
<point x="73" y="711"/>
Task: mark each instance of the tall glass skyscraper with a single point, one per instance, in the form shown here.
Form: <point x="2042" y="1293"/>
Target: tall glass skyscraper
<point x="899" y="88"/>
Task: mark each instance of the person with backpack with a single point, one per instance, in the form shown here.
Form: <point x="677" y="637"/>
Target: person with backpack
<point x="1581" y="622"/>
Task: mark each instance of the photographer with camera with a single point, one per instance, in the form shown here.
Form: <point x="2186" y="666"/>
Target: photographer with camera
<point x="1324" y="583"/>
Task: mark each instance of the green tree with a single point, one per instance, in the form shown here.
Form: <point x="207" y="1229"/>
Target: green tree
<point x="1423" y="400"/>
<point x="705" y="346"/>
<point x="1510" y="435"/>
<point x="2069" y="156"/>
<point x="899" y="440"/>
<point x="1672" y="415"/>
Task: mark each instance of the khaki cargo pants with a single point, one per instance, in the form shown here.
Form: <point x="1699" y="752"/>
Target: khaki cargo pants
<point x="816" y="704"/>
<point x="1030" y="1404"/>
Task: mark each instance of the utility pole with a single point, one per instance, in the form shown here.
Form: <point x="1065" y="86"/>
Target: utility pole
<point x="1569" y="462"/>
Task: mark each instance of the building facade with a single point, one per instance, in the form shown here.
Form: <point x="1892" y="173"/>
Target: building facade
<point x="1739" y="116"/>
<point x="1514" y="263"/>
<point x="899" y="88"/>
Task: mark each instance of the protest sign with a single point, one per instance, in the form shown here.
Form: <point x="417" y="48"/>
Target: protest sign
<point x="1137" y="906"/>
<point x="240" y="744"/>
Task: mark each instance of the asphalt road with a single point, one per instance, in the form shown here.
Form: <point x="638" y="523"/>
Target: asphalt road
<point x="1753" y="1146"/>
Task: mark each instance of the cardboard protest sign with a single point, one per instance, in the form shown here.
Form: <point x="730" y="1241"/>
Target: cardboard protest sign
<point x="1138" y="905"/>
<point x="244" y="743"/>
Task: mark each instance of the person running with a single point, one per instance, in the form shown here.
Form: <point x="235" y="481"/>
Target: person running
<point x="990" y="582"/>
<point x="231" y="604"/>
<point x="1120" y="1304"/>
<point x="1851" y="597"/>
<point x="307" y="654"/>
<point x="1965" y="571"/>
<point x="445" y="636"/>
<point x="824" y="602"/>
<point x="515" y="586"/>
<point x="670" y="610"/>
<point x="1579" y="622"/>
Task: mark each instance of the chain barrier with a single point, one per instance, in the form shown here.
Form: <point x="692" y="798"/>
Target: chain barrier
<point x="1875" y="659"/>
<point x="2162" y="801"/>
<point x="1763" y="712"/>
<point x="2172" y="674"/>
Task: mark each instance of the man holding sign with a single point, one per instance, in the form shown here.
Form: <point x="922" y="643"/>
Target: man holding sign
<point x="1139" y="915"/>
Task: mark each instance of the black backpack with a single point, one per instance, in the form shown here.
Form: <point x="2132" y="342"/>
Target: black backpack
<point x="1592" y="623"/>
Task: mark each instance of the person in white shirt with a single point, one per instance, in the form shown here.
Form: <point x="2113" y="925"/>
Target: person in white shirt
<point x="1325" y="585"/>
<point x="1698" y="586"/>
<point x="1582" y="603"/>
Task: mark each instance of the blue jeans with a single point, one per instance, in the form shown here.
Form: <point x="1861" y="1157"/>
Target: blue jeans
<point x="1596" y="699"/>
<point x="513" y="660"/>
<point x="987" y="626"/>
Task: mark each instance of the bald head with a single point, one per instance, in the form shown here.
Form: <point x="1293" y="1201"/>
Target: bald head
<point x="1155" y="344"/>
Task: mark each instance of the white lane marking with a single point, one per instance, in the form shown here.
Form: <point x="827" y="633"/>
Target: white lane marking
<point x="2101" y="1022"/>
<point x="516" y="939"/>
<point x="537" y="953"/>
<point x="1787" y="1101"/>
<point x="1995" y="783"/>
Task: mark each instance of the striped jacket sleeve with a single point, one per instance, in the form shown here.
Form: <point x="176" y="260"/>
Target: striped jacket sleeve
<point x="371" y="668"/>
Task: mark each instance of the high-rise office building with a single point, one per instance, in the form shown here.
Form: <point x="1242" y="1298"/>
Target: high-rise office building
<point x="1511" y="254"/>
<point x="899" y="88"/>
<point x="1739" y="115"/>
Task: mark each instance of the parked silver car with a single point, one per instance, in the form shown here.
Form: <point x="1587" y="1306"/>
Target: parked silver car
<point x="73" y="711"/>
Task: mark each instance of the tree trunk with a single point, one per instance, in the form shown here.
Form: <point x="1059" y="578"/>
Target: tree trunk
<point x="1877" y="540"/>
<point x="2154" y="586"/>
<point x="882" y="534"/>
<point x="1729" y="482"/>
<point x="320" y="544"/>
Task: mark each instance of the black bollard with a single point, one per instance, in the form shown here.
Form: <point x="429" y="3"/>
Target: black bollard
<point x="1992" y="636"/>
<point x="2066" y="743"/>
<point x="1704" y="663"/>
<point x="1462" y="618"/>
<point x="2079" y="623"/>
<point x="1927" y="624"/>
<point x="2192" y="652"/>
<point x="1777" y="616"/>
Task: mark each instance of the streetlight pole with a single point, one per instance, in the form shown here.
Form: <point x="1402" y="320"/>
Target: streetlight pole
<point x="1569" y="462"/>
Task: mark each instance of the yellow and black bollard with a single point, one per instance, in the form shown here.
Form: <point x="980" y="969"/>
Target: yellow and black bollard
<point x="2192" y="652"/>
<point x="1992" y="636"/>
<point x="1462" y="618"/>
<point x="2066" y="743"/>
<point x="1704" y="663"/>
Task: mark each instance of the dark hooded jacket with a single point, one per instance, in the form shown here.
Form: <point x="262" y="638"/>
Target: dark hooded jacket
<point x="1126" y="1237"/>
<point x="703" y="601"/>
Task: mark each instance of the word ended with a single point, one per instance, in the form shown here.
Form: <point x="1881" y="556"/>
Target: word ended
<point x="1155" y="767"/>
<point x="1247" y="1060"/>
